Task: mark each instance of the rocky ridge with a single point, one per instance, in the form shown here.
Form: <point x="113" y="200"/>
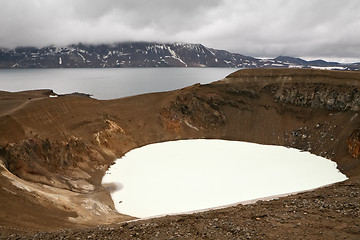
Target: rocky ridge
<point x="148" y="54"/>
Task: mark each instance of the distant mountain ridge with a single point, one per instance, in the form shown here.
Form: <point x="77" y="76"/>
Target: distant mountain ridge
<point x="148" y="54"/>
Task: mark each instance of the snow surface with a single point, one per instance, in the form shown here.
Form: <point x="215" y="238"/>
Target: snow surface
<point x="189" y="175"/>
<point x="175" y="56"/>
<point x="80" y="55"/>
<point x="328" y="68"/>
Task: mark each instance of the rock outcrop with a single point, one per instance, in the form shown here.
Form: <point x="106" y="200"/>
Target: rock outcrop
<point x="61" y="164"/>
<point x="354" y="143"/>
<point x="320" y="96"/>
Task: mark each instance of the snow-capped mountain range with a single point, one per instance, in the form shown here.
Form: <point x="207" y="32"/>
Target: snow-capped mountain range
<point x="148" y="54"/>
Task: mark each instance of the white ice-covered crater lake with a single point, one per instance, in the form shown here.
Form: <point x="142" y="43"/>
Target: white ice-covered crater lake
<point x="189" y="175"/>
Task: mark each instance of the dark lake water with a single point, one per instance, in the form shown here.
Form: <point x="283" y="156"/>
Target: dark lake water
<point x="108" y="83"/>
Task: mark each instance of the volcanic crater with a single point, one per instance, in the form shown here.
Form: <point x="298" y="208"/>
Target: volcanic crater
<point x="54" y="152"/>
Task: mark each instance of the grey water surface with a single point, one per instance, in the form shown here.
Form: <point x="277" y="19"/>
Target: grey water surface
<point x="108" y="83"/>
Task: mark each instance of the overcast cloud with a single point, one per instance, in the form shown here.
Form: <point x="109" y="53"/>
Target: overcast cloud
<point x="328" y="29"/>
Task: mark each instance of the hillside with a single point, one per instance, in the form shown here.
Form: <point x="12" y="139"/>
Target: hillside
<point x="54" y="152"/>
<point x="147" y="54"/>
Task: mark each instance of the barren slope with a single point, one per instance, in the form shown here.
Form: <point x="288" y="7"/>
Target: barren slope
<point x="55" y="150"/>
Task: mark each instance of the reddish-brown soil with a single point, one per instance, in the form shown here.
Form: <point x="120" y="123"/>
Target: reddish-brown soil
<point x="54" y="152"/>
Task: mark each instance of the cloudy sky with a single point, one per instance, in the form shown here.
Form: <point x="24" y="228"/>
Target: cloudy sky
<point x="328" y="29"/>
